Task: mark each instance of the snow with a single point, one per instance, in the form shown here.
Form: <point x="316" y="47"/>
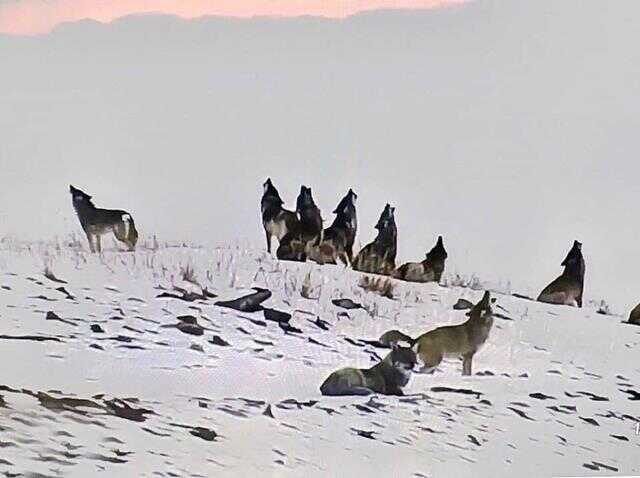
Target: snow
<point x="550" y="388"/>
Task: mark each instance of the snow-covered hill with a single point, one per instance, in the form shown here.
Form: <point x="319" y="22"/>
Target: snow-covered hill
<point x="97" y="378"/>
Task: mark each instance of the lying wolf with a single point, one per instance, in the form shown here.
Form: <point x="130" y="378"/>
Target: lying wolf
<point x="429" y="270"/>
<point x="388" y="377"/>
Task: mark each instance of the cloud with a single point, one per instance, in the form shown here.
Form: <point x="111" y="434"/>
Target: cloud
<point x="31" y="17"/>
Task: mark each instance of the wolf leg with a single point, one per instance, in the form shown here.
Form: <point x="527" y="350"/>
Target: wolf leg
<point x="430" y="358"/>
<point x="337" y="391"/>
<point x="98" y="243"/>
<point x="268" y="241"/>
<point x="90" y="239"/>
<point x="466" y="364"/>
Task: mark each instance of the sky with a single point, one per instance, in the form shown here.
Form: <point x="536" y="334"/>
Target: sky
<point x="29" y="17"/>
<point x="508" y="127"/>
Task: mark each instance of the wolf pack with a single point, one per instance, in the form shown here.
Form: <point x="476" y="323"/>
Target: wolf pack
<point x="301" y="236"/>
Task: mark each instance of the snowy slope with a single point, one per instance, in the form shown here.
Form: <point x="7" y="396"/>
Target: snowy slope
<point x="554" y="391"/>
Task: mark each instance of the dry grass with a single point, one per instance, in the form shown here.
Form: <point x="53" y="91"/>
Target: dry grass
<point x="308" y="290"/>
<point x="188" y="274"/>
<point x="383" y="286"/>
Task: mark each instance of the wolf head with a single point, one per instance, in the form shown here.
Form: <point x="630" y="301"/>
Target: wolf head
<point x="305" y="199"/>
<point x="386" y="218"/>
<point x="347" y="204"/>
<point x="401" y="358"/>
<point x="270" y="192"/>
<point x="438" y="253"/>
<point x="79" y="198"/>
<point x="483" y="308"/>
<point x="574" y="255"/>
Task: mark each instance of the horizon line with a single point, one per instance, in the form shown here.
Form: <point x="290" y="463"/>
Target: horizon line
<point x="30" y="27"/>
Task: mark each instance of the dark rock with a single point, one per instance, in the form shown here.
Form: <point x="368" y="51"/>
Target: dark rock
<point x="346" y="304"/>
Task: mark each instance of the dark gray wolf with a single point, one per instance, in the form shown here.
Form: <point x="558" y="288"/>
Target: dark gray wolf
<point x="337" y="239"/>
<point x="429" y="270"/>
<point x="567" y="289"/>
<point x="96" y="222"/>
<point x="379" y="256"/>
<point x="388" y="377"/>
<point x="276" y="220"/>
<point x="306" y="233"/>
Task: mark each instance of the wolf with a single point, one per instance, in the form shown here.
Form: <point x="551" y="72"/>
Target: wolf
<point x="96" y="222"/>
<point x="337" y="239"/>
<point x="429" y="270"/>
<point x="463" y="340"/>
<point x="379" y="256"/>
<point x="277" y="221"/>
<point x="634" y="316"/>
<point x="388" y="377"/>
<point x="307" y="230"/>
<point x="567" y="289"/>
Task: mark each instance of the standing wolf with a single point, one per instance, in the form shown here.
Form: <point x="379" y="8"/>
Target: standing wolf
<point x="96" y="222"/>
<point x="379" y="256"/>
<point x="463" y="340"/>
<point x="567" y="289"/>
<point x="429" y="270"/>
<point x="277" y="221"/>
<point x="307" y="231"/>
<point x="337" y="239"/>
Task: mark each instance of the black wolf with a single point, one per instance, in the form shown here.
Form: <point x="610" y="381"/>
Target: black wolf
<point x="379" y="256"/>
<point x="96" y="222"/>
<point x="276" y="220"/>
<point x="307" y="231"/>
<point x="567" y="289"/>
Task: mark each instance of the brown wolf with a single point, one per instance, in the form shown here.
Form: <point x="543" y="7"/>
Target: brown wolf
<point x="307" y="230"/>
<point x="379" y="256"/>
<point x="567" y="289"/>
<point x="634" y="316"/>
<point x="277" y="221"/>
<point x="337" y="239"/>
<point x="96" y="222"/>
<point x="462" y="340"/>
<point x="429" y="270"/>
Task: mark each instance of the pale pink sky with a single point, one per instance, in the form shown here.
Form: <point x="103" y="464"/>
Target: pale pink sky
<point x="29" y="17"/>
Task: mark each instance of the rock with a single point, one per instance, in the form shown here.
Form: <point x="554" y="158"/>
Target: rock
<point x="217" y="340"/>
<point x="463" y="304"/>
<point x="346" y="304"/>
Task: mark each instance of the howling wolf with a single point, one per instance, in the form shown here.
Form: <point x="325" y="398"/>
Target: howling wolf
<point x="567" y="289"/>
<point x="277" y="221"/>
<point x="379" y="256"/>
<point x="96" y="222"/>
<point x="429" y="270"/>
<point x="337" y="240"/>
<point x="307" y="231"/>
